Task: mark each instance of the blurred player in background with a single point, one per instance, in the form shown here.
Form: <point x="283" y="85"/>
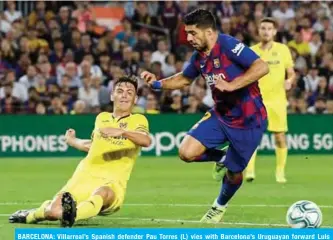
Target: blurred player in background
<point x="99" y="183"/>
<point x="232" y="70"/>
<point x="273" y="88"/>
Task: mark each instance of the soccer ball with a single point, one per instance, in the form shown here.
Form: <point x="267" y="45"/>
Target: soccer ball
<point x="304" y="214"/>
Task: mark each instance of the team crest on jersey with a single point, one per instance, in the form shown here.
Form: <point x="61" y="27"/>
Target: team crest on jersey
<point x="216" y="62"/>
<point x="123" y="125"/>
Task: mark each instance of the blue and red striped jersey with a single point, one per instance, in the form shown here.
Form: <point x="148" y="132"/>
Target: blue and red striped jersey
<point x="229" y="59"/>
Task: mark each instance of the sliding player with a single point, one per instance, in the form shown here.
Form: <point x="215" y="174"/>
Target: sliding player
<point x="98" y="185"/>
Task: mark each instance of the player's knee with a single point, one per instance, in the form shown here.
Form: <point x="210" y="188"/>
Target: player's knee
<point x="190" y="149"/>
<point x="234" y="178"/>
<point x="186" y="155"/>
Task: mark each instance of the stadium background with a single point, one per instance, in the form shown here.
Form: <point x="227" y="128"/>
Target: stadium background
<point x="62" y="58"/>
<point x="58" y="63"/>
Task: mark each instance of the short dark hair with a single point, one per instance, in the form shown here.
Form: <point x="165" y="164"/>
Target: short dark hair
<point x="201" y="18"/>
<point x="128" y="79"/>
<point x="269" y="20"/>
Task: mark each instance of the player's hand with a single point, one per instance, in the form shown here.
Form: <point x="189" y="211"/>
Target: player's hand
<point x="224" y="86"/>
<point x="148" y="77"/>
<point x="111" y="132"/>
<point x="70" y="135"/>
<point x="288" y="85"/>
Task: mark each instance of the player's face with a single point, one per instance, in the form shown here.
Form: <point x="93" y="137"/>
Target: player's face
<point x="267" y="31"/>
<point x="197" y="37"/>
<point x="124" y="96"/>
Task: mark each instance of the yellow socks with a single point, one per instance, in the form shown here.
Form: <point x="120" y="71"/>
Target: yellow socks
<point x="250" y="170"/>
<point x="89" y="208"/>
<point x="281" y="159"/>
<point x="85" y="210"/>
<point x="38" y="214"/>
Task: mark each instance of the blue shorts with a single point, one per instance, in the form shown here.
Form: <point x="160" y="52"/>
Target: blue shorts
<point x="212" y="133"/>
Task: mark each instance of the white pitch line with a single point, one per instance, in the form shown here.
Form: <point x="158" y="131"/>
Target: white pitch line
<point x="208" y="205"/>
<point x="182" y="220"/>
<point x="173" y="205"/>
<point x="196" y="221"/>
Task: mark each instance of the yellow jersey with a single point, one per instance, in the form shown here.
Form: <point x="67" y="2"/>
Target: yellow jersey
<point x="113" y="158"/>
<point x="272" y="85"/>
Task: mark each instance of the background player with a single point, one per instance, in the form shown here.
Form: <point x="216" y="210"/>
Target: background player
<point x="99" y="183"/>
<point x="273" y="88"/>
<point x="231" y="69"/>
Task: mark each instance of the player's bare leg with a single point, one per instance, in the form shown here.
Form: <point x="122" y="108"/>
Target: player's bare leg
<point x="53" y="212"/>
<point x="49" y="210"/>
<point x="191" y="150"/>
<point x="101" y="199"/>
<point x="281" y="152"/>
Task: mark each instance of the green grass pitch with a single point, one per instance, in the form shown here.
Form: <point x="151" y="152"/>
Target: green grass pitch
<point x="164" y="192"/>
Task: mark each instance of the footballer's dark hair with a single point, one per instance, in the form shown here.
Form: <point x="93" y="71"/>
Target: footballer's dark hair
<point x="128" y="79"/>
<point x="269" y="20"/>
<point x="201" y="18"/>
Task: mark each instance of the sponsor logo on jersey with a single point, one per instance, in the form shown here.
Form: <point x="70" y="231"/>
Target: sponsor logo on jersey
<point x="238" y="48"/>
<point x="210" y="79"/>
<point x="274" y="62"/>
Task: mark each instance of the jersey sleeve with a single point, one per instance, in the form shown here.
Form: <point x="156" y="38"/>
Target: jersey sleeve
<point x="99" y="117"/>
<point x="239" y="52"/>
<point x="287" y="58"/>
<point x="192" y="71"/>
<point x="98" y="120"/>
<point x="97" y="124"/>
<point x="142" y="124"/>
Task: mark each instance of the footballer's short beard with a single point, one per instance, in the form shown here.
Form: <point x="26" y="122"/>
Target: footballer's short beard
<point x="264" y="40"/>
<point x="203" y="47"/>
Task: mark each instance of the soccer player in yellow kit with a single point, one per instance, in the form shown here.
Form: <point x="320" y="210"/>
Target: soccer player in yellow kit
<point x="98" y="184"/>
<point x="273" y="88"/>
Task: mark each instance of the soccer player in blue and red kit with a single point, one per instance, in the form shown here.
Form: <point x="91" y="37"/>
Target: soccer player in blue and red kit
<point x="232" y="70"/>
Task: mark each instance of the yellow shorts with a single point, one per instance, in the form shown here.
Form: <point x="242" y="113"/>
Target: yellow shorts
<point x="277" y="117"/>
<point x="82" y="185"/>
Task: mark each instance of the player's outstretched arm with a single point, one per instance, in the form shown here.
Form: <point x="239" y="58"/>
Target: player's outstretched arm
<point x="176" y="81"/>
<point x="80" y="144"/>
<point x="137" y="137"/>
